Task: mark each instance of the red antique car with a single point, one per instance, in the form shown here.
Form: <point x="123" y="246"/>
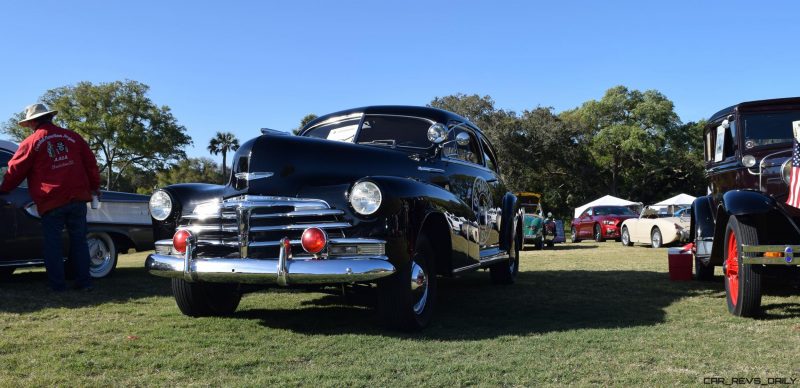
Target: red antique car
<point x="600" y="223"/>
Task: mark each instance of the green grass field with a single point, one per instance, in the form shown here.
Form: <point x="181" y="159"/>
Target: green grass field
<point x="583" y="313"/>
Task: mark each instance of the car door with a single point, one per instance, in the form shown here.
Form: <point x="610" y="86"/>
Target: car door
<point x="467" y="179"/>
<point x="585" y="224"/>
<point x="7" y="221"/>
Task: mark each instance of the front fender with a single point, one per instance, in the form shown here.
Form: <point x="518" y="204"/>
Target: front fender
<point x="741" y="202"/>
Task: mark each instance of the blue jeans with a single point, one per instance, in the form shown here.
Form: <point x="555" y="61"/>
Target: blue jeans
<point x="73" y="215"/>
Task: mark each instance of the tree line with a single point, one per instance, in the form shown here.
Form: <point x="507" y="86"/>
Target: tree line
<point x="629" y="143"/>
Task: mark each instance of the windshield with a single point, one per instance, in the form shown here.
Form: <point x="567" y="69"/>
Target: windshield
<point x="615" y="210"/>
<point x="767" y="128"/>
<point x="384" y="130"/>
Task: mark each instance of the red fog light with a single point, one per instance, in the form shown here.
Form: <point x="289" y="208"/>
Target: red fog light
<point x="314" y="240"/>
<point x="179" y="240"/>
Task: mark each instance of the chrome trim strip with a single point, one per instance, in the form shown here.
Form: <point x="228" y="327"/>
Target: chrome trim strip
<point x="243" y="222"/>
<point x="210" y="228"/>
<point x="330" y="225"/>
<point x="431" y="169"/>
<point x="208" y="216"/>
<point x="187" y="259"/>
<point x="22" y="263"/>
<point x="355" y="241"/>
<point x="300" y="213"/>
<point x="494" y="258"/>
<point x="251" y="176"/>
<point x="769" y="248"/>
<point x="467" y="268"/>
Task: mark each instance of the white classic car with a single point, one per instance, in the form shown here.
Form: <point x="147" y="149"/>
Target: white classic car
<point x="656" y="228"/>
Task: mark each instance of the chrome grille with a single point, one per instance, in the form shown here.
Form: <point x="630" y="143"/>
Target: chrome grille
<point x="252" y="226"/>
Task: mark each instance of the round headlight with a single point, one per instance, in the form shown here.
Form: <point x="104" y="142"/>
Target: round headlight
<point x="786" y="171"/>
<point x="365" y="197"/>
<point x="160" y="205"/>
<point x="437" y="133"/>
<point x="748" y="161"/>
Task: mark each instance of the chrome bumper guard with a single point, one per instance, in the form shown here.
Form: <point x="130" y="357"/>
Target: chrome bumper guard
<point x="282" y="271"/>
<point x="787" y="250"/>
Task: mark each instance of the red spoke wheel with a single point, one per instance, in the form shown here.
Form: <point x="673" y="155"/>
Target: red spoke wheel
<point x="742" y="281"/>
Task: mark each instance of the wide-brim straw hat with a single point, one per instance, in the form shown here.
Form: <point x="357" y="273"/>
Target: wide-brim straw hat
<point x="35" y="111"/>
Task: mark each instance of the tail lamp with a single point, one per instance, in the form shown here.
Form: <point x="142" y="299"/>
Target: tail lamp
<point x="314" y="240"/>
<point x="179" y="240"/>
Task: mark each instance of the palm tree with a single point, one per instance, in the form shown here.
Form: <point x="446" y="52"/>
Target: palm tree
<point x="223" y="142"/>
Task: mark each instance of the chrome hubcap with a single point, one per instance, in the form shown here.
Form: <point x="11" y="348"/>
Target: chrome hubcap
<point x="419" y="287"/>
<point x="657" y="239"/>
<point x="99" y="256"/>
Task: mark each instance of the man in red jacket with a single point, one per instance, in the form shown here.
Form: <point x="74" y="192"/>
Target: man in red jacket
<point x="62" y="176"/>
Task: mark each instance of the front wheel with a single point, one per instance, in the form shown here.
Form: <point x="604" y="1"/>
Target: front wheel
<point x="206" y="299"/>
<point x="407" y="298"/>
<point x="655" y="238"/>
<point x="742" y="281"/>
<point x="625" y="237"/>
<point x="598" y="233"/>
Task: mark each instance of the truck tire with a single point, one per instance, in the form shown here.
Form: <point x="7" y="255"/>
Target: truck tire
<point x="505" y="272"/>
<point x="103" y="255"/>
<point x="742" y="281"/>
<point x="703" y="272"/>
<point x="206" y="299"/>
<point x="406" y="299"/>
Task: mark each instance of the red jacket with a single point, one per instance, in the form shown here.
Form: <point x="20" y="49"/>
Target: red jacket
<point x="59" y="166"/>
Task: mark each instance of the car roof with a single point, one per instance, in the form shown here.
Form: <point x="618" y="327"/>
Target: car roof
<point x="8" y="145"/>
<point x="753" y="104"/>
<point x="434" y="114"/>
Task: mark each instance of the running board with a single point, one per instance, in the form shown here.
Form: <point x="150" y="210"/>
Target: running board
<point x="485" y="261"/>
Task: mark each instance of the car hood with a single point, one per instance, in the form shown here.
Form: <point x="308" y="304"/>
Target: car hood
<point x="284" y="165"/>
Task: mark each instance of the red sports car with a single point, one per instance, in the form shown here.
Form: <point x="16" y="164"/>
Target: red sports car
<point x="600" y="223"/>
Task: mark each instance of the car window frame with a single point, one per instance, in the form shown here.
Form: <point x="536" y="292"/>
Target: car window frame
<point x="452" y="125"/>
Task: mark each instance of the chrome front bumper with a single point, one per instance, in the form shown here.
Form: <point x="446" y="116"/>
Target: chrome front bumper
<point x="282" y="271"/>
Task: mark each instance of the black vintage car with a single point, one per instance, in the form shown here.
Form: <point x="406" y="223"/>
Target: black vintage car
<point x="386" y="195"/>
<point x="120" y="223"/>
<point x="744" y="224"/>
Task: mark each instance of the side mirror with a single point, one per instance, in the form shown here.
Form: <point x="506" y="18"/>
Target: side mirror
<point x="462" y="139"/>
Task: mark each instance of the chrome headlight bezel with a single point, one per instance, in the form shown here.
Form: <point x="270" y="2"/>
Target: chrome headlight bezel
<point x="786" y="171"/>
<point x="160" y="205"/>
<point x="365" y="197"/>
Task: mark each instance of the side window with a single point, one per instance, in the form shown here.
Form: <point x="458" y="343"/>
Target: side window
<point x="488" y="155"/>
<point x="723" y="137"/>
<point x="710" y="146"/>
<point x="469" y="153"/>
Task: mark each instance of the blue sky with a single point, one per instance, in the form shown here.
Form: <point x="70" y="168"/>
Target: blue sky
<point x="241" y="65"/>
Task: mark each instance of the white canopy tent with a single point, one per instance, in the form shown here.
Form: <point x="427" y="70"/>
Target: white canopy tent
<point x="605" y="200"/>
<point x="678" y="200"/>
<point x="675" y="203"/>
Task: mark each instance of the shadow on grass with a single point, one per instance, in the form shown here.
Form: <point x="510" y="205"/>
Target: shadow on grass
<point x="28" y="292"/>
<point x="470" y="308"/>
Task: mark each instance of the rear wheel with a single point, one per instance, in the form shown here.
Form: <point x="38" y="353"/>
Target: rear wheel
<point x="655" y="238"/>
<point x="406" y="299"/>
<point x="206" y="299"/>
<point x="742" y="281"/>
<point x="625" y="237"/>
<point x="506" y="272"/>
<point x="102" y="255"/>
<point x="598" y="233"/>
<point x="574" y="236"/>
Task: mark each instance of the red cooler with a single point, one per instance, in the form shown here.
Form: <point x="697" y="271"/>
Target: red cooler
<point x="680" y="264"/>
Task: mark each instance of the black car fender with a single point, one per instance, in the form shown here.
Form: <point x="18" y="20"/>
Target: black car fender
<point x="410" y="207"/>
<point x="746" y="203"/>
